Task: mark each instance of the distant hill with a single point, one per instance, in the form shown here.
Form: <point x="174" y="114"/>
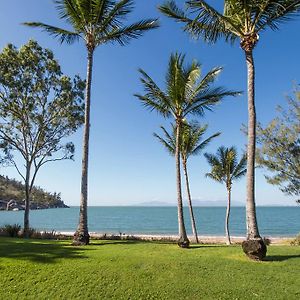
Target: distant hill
<point x="195" y="203"/>
<point x="12" y="196"/>
<point x="154" y="203"/>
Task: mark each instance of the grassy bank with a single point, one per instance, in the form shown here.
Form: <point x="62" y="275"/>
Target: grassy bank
<point x="36" y="269"/>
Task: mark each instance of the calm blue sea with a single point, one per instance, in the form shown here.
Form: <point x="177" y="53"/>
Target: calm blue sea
<point x="272" y="221"/>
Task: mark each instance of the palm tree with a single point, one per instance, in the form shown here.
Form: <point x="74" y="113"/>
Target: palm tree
<point x="225" y="169"/>
<point x="96" y="22"/>
<point x="186" y="94"/>
<point x="242" y="20"/>
<point x="191" y="143"/>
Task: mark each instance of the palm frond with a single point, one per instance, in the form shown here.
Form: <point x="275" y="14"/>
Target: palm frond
<point x="204" y="144"/>
<point x="275" y="13"/>
<point x="153" y="105"/>
<point x="125" y="34"/>
<point x="214" y="176"/>
<point x="241" y="168"/>
<point x="155" y="98"/>
<point x="225" y="166"/>
<point x="207" y="99"/>
<point x="170" y="9"/>
<point x="210" y="24"/>
<point x="110" y="15"/>
<point x="63" y="35"/>
<point x="168" y="142"/>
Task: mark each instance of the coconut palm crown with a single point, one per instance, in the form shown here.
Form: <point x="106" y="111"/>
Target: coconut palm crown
<point x="240" y="19"/>
<point x="225" y="166"/>
<point x="191" y="140"/>
<point x="186" y="93"/>
<point x="96" y="22"/>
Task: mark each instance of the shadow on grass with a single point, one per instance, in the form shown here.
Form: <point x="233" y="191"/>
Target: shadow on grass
<point x="134" y="242"/>
<point x="203" y="246"/>
<point x="126" y="242"/>
<point x="39" y="251"/>
<point x="280" y="257"/>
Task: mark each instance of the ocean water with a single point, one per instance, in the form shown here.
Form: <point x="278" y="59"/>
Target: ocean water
<point x="272" y="221"/>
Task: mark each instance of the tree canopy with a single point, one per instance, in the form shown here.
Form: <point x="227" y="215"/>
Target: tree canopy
<point x="279" y="147"/>
<point x="39" y="108"/>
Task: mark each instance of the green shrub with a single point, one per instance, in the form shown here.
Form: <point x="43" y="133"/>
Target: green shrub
<point x="296" y="241"/>
<point x="48" y="235"/>
<point x="11" y="230"/>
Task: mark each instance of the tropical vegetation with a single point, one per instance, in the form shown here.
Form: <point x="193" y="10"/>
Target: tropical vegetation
<point x="12" y="195"/>
<point x="279" y="147"/>
<point x="95" y="22"/>
<point x="39" y="108"/>
<point x="191" y="144"/>
<point x="186" y="93"/>
<point x="244" y="21"/>
<point x="225" y="168"/>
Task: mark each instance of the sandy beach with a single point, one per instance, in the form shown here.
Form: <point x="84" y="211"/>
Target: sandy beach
<point x="204" y="239"/>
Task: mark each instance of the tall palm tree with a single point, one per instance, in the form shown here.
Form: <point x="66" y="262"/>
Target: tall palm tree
<point x="96" y="22"/>
<point x="242" y="20"/>
<point x="225" y="169"/>
<point x="186" y="93"/>
<point x="191" y="143"/>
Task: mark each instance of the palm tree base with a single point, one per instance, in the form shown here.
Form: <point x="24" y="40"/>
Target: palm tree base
<point x="81" y="238"/>
<point x="183" y="243"/>
<point x="255" y="249"/>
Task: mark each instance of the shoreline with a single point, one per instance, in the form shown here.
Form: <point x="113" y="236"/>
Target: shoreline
<point x="203" y="239"/>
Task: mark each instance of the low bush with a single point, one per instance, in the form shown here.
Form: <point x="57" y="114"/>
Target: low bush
<point x="44" y="235"/>
<point x="10" y="230"/>
<point x="296" y="241"/>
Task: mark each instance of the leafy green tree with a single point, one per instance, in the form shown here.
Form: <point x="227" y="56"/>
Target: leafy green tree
<point x="39" y="108"/>
<point x="225" y="169"/>
<point x="96" y="22"/>
<point x="191" y="143"/>
<point x="279" y="147"/>
<point x="241" y="20"/>
<point x="186" y="93"/>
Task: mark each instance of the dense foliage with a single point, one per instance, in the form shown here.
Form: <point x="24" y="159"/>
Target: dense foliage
<point x="279" y="151"/>
<point x="12" y="189"/>
<point x="39" y="108"/>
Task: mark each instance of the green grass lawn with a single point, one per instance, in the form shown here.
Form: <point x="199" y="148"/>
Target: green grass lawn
<point x="36" y="269"/>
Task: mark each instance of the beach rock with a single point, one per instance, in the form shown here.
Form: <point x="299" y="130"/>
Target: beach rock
<point x="255" y="249"/>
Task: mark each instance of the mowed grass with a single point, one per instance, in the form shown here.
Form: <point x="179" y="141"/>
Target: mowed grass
<point x="35" y="269"/>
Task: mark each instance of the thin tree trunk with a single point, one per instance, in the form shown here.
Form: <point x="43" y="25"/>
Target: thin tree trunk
<point x="27" y="201"/>
<point x="193" y="222"/>
<point x="228" y="241"/>
<point x="183" y="239"/>
<point x="252" y="228"/>
<point x="81" y="236"/>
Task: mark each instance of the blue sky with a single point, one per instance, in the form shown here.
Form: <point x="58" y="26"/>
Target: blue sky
<point x="127" y="165"/>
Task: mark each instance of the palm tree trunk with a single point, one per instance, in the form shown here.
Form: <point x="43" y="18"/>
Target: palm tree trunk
<point x="183" y="239"/>
<point x="252" y="228"/>
<point x="81" y="236"/>
<point x="254" y="246"/>
<point x="27" y="202"/>
<point x="228" y="241"/>
<point x="194" y="228"/>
